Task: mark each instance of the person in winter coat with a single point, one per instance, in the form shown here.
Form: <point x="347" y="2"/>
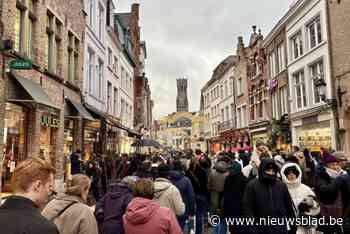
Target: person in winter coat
<point x="144" y="215"/>
<point x="234" y="187"/>
<point x="345" y="192"/>
<point x="183" y="184"/>
<point x="75" y="161"/>
<point x="199" y="179"/>
<point x="110" y="209"/>
<point x="32" y="183"/>
<point x="68" y="210"/>
<point x="303" y="197"/>
<point x="327" y="187"/>
<point x="266" y="196"/>
<point x="216" y="182"/>
<point x="166" y="193"/>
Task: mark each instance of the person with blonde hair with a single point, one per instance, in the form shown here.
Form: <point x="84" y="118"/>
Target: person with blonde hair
<point x="68" y="210"/>
<point x="32" y="183"/>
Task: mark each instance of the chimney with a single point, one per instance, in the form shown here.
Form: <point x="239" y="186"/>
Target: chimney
<point x="135" y="9"/>
<point x="254" y="29"/>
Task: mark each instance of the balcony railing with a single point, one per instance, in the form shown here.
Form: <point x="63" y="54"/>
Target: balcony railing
<point x="226" y="125"/>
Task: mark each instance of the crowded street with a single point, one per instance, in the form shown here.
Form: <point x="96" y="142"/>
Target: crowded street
<point x="175" y="117"/>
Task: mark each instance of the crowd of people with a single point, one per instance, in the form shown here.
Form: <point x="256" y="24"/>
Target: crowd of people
<point x="181" y="192"/>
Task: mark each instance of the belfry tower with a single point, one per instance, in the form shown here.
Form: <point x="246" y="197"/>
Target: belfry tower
<point x="181" y="99"/>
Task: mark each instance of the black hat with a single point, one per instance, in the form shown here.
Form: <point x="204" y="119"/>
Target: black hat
<point x="163" y="170"/>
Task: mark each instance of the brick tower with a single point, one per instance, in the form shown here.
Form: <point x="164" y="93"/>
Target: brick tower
<point x="181" y="100"/>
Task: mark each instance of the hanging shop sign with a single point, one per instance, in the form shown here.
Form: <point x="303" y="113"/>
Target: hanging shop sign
<point x="50" y="121"/>
<point x="21" y="64"/>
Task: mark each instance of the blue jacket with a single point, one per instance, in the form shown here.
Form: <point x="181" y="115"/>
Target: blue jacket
<point x="184" y="185"/>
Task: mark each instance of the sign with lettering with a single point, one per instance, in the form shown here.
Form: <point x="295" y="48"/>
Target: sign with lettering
<point x="50" y="121"/>
<point x="21" y="64"/>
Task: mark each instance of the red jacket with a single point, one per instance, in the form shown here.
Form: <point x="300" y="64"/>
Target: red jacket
<point x="144" y="216"/>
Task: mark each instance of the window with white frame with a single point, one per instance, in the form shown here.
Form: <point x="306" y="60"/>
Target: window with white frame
<point x="115" y="101"/>
<point x="227" y="113"/>
<point x="100" y="18"/>
<point x="239" y="118"/>
<point x="226" y="88"/>
<point x="239" y="86"/>
<point x="109" y="96"/>
<point x="244" y="116"/>
<point x="280" y="63"/>
<point x="100" y="79"/>
<point x="284" y="100"/>
<point x="91" y="58"/>
<point x="231" y="86"/>
<point x="275" y="106"/>
<point x="115" y="64"/>
<point x="91" y="13"/>
<point x="314" y="32"/>
<point x="222" y="115"/>
<point x="316" y="73"/>
<point x="300" y="89"/>
<point x="297" y="45"/>
<point x="272" y="65"/>
<point x="110" y="56"/>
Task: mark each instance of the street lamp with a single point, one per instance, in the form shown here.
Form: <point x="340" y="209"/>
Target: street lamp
<point x="322" y="91"/>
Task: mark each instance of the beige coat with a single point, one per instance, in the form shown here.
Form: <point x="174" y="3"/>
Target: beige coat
<point x="77" y="219"/>
<point x="168" y="196"/>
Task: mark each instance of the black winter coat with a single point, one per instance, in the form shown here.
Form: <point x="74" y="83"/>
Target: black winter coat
<point x="265" y="198"/>
<point x="233" y="194"/>
<point x="326" y="188"/>
<point x="19" y="215"/>
<point x="199" y="180"/>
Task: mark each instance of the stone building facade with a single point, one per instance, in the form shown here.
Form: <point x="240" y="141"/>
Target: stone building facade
<point x="339" y="34"/>
<point x="181" y="98"/>
<point x="51" y="37"/>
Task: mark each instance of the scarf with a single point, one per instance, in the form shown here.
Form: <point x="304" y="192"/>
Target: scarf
<point x="334" y="174"/>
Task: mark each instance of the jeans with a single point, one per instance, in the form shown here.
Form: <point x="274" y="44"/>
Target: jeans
<point x="201" y="205"/>
<point x="220" y="229"/>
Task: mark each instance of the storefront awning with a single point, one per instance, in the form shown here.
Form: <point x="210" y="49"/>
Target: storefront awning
<point x="97" y="114"/>
<point x="79" y="110"/>
<point x="33" y="93"/>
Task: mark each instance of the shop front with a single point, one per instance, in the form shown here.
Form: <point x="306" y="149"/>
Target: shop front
<point x="313" y="134"/>
<point x="15" y="140"/>
<point x="31" y="126"/>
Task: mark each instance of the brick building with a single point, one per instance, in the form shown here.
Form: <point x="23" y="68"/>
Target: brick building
<point x="338" y="28"/>
<point x="275" y="46"/>
<point x="43" y="104"/>
<point x="259" y="106"/>
<point x="241" y="95"/>
<point x="142" y="93"/>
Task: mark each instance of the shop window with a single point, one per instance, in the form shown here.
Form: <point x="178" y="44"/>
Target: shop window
<point x="15" y="141"/>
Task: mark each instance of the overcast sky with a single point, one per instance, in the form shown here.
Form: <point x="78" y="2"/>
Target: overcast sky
<point x="191" y="37"/>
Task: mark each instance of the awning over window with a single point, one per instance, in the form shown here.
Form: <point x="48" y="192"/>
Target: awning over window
<point x="29" y="92"/>
<point x="78" y="111"/>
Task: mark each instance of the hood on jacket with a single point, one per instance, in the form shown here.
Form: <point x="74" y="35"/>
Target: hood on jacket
<point x="289" y="166"/>
<point x="264" y="165"/>
<point x="221" y="166"/>
<point x="176" y="175"/>
<point x="59" y="203"/>
<point x="141" y="210"/>
<point x="160" y="186"/>
<point x="118" y="190"/>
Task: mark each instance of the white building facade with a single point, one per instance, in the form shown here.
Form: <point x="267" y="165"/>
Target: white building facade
<point x="312" y="119"/>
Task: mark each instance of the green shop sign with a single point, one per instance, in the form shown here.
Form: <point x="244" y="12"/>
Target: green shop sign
<point x="21" y="64"/>
<point x="49" y="121"/>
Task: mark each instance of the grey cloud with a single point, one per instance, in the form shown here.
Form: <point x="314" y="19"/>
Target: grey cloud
<point x="190" y="37"/>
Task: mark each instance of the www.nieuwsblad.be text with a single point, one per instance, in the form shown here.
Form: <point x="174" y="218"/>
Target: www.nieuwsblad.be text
<point x="215" y="220"/>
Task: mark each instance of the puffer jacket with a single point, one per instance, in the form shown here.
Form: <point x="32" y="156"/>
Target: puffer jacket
<point x="144" y="216"/>
<point x="216" y="183"/>
<point x="77" y="219"/>
<point x="168" y="196"/>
